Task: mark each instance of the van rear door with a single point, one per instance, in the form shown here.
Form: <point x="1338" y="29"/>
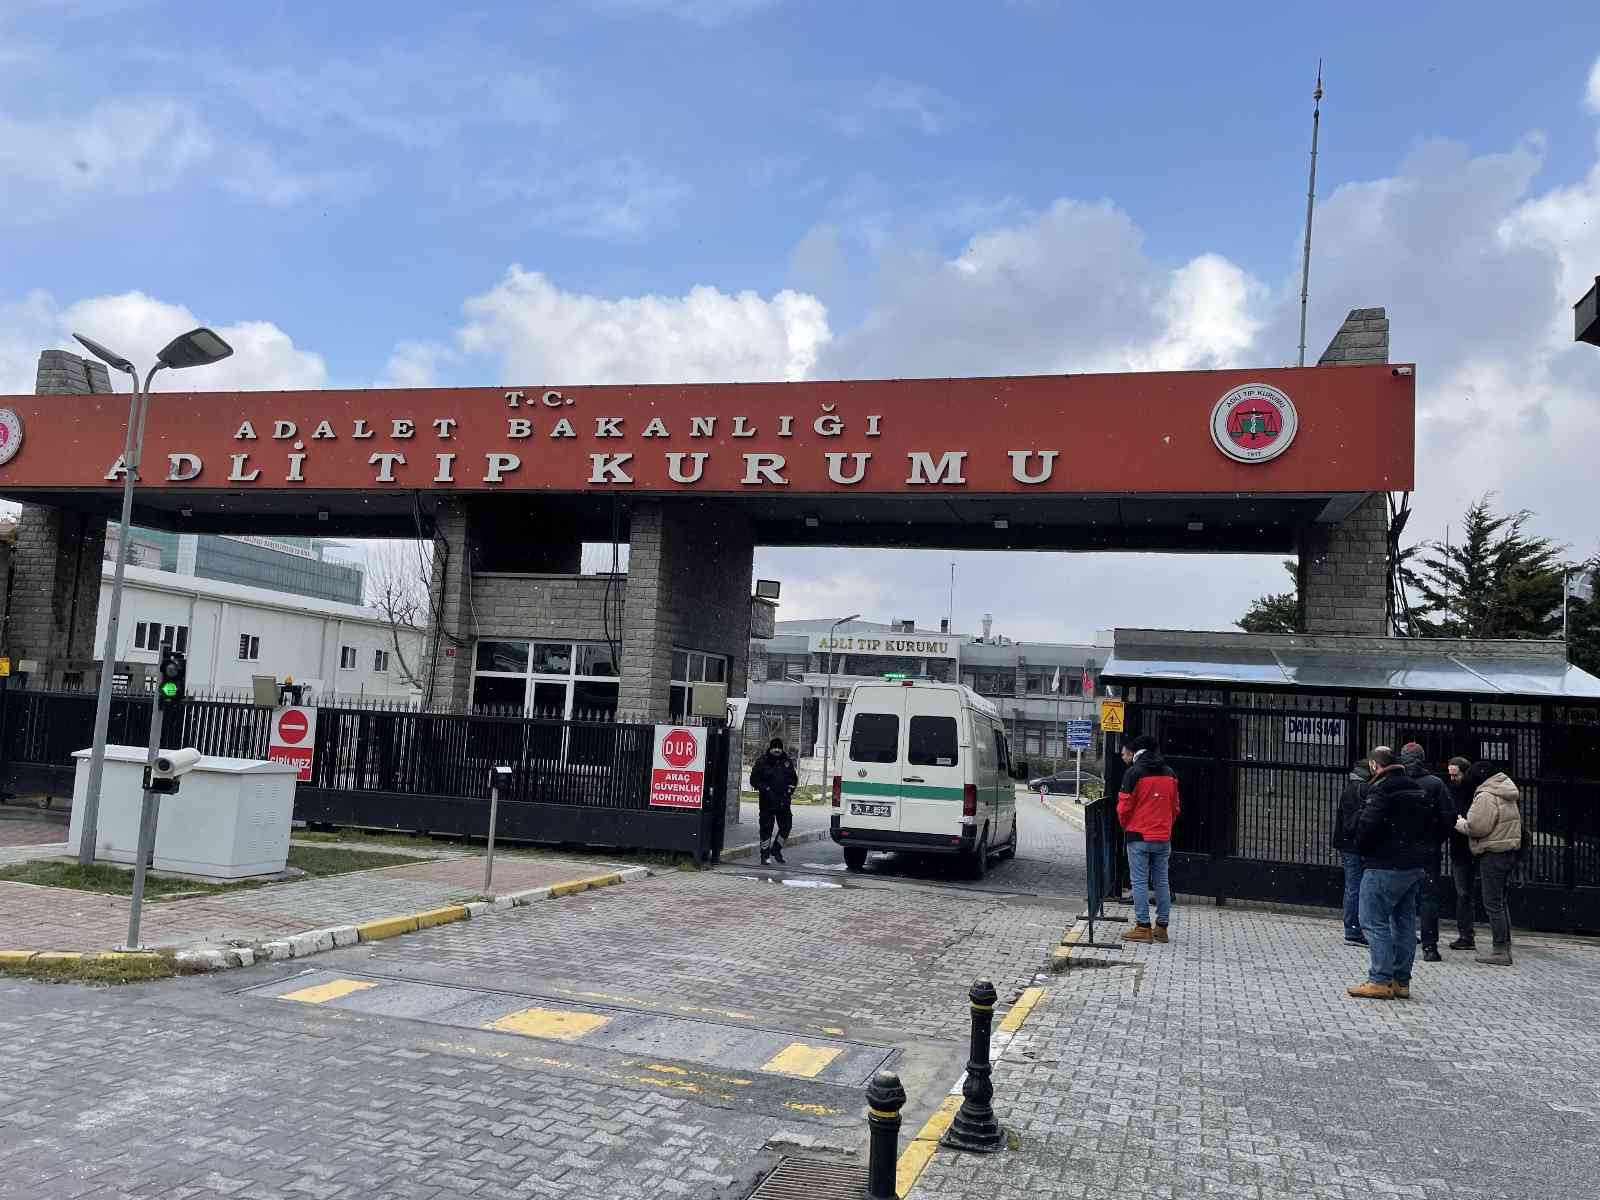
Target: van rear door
<point x="869" y="758"/>
<point x="933" y="775"/>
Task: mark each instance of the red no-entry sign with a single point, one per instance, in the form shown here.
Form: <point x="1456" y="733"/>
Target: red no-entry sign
<point x="293" y="739"/>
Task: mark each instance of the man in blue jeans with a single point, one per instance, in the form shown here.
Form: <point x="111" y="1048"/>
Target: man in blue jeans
<point x="1395" y="835"/>
<point x="1344" y="841"/>
<point x="1147" y="805"/>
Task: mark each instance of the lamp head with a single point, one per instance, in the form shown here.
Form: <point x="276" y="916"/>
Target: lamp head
<point x="194" y="349"/>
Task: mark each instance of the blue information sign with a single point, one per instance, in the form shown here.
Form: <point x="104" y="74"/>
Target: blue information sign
<point x="1080" y="735"/>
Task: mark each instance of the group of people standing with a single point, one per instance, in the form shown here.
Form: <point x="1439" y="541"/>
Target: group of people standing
<point x="1394" y="815"/>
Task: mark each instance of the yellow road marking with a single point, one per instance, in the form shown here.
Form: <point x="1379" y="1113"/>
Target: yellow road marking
<point x="833" y="1030"/>
<point x="442" y="916"/>
<point x="388" y="927"/>
<point x="815" y="1110"/>
<point x="549" y="1023"/>
<point x="797" y="1058"/>
<point x="1019" y="1011"/>
<point x="323" y="992"/>
<point x="915" y="1156"/>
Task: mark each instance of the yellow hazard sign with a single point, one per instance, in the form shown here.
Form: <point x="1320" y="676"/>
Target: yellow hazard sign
<point x="1111" y="716"/>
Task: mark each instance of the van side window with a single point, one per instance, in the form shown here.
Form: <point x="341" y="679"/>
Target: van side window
<point x="875" y="738"/>
<point x="933" y="742"/>
<point x="1002" y="752"/>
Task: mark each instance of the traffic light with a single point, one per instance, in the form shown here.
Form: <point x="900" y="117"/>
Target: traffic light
<point x="169" y="687"/>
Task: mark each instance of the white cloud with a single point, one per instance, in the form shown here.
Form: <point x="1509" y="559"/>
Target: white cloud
<point x="606" y="196"/>
<point x="256" y="174"/>
<point x="1069" y="289"/>
<point x="1592" y="92"/>
<point x="890" y="104"/>
<point x="415" y="364"/>
<point x="133" y="144"/>
<point x="709" y="13"/>
<point x="539" y="332"/>
<point x="264" y="356"/>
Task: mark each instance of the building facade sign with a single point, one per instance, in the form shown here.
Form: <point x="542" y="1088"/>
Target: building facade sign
<point x="1314" y="731"/>
<point x="1070" y="434"/>
<point x="895" y="645"/>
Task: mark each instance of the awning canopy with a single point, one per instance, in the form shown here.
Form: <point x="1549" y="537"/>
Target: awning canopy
<point x="1366" y="664"/>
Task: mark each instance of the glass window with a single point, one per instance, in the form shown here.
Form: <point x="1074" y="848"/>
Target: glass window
<point x="777" y="670"/>
<point x="679" y="701"/>
<point x="347" y="658"/>
<point x="932" y="742"/>
<point x="875" y="738"/>
<point x="594" y="658"/>
<point x="594" y="701"/>
<point x="552" y="658"/>
<point x="680" y="664"/>
<point x="249" y="648"/>
<point x="716" y="668"/>
<point x="380" y="661"/>
<point x="139" y="635"/>
<point x="183" y="639"/>
<point x="1030" y="739"/>
<point x="492" y="694"/>
<point x="511" y="657"/>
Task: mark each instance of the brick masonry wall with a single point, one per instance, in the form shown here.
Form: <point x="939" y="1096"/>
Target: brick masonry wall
<point x="542" y="607"/>
<point x="1343" y="572"/>
<point x="54" y="588"/>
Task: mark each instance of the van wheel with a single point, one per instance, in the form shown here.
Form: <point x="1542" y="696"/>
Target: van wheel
<point x="977" y="863"/>
<point x="1009" y="850"/>
<point x="855" y="860"/>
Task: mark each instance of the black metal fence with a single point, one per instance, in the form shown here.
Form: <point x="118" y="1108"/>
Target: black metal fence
<point x="1260" y="775"/>
<point x="571" y="782"/>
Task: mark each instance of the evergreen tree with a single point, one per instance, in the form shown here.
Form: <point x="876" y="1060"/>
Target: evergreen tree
<point x="1279" y="613"/>
<point x="1498" y="581"/>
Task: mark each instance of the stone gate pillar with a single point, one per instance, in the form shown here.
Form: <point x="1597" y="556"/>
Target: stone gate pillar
<point x="1343" y="569"/>
<point x="54" y="587"/>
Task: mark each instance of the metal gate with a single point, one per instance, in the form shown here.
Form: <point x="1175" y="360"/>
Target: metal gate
<point x="1260" y="775"/>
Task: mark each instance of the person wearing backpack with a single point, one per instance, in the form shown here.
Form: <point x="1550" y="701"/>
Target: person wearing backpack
<point x="1345" y="820"/>
<point x="1493" y="826"/>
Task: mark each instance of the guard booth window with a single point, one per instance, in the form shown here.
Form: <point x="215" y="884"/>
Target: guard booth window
<point x="875" y="738"/>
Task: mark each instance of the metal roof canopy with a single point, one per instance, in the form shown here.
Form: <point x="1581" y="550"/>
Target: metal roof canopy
<point x="1486" y="669"/>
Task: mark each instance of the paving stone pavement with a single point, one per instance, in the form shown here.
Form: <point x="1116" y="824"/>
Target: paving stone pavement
<point x="1231" y="1063"/>
<point x="107" y="1097"/>
<point x="34" y="917"/>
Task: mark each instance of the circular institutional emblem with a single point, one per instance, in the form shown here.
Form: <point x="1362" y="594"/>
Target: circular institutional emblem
<point x="1254" y="423"/>
<point x="10" y="435"/>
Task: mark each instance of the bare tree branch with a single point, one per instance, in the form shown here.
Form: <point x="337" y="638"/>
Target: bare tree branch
<point x="398" y="577"/>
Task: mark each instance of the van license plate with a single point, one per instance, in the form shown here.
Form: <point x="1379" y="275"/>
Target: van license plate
<point x="862" y="809"/>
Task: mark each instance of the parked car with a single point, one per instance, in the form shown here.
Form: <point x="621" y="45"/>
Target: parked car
<point x="1064" y="783"/>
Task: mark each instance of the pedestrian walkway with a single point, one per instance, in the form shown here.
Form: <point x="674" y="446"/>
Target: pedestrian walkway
<point x="48" y="918"/>
<point x="1231" y="1063"/>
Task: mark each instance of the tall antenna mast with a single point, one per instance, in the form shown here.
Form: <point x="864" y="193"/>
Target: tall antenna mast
<point x="1311" y="200"/>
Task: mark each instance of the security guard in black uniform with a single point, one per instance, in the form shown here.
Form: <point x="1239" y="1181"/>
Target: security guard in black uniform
<point x="774" y="780"/>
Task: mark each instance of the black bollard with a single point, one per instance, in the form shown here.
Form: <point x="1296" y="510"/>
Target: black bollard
<point x="885" y="1099"/>
<point x="975" y="1127"/>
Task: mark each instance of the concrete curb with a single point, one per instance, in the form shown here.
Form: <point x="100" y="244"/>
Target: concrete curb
<point x="319" y="941"/>
<point x="751" y="849"/>
<point x="1072" y="814"/>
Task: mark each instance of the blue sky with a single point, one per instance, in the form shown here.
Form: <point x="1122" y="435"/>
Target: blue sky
<point x="785" y="189"/>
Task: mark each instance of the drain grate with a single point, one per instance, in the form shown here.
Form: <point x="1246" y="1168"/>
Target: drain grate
<point x="812" y="1179"/>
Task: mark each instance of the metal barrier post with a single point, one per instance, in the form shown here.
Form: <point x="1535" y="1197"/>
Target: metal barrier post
<point x="497" y="776"/>
<point x="975" y="1127"/>
<point x="885" y="1099"/>
<point x="149" y="815"/>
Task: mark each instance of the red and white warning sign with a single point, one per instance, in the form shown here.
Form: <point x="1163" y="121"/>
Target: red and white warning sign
<point x="293" y="737"/>
<point x="678" y="772"/>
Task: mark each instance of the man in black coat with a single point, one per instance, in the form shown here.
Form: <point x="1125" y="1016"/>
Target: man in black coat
<point x="774" y="780"/>
<point x="1396" y="835"/>
<point x="1438" y="795"/>
<point x="1463" y="864"/>
<point x="1344" y="841"/>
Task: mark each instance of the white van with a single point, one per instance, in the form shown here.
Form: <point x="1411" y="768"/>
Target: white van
<point x="924" y="767"/>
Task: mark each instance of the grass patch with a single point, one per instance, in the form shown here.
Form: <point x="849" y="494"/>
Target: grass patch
<point x="109" y="880"/>
<point x="107" y="969"/>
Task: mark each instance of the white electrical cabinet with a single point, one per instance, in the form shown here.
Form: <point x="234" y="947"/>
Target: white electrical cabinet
<point x="229" y="820"/>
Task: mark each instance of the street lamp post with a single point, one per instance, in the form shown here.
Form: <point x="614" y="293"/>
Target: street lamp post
<point x="193" y="349"/>
<point x="827" y="712"/>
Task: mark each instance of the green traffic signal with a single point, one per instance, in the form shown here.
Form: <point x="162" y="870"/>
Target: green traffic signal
<point x="169" y="689"/>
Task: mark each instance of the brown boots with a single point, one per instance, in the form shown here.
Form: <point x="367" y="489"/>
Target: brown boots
<point x="1146" y="933"/>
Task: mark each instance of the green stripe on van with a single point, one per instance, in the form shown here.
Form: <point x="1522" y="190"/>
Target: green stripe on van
<point x="906" y="791"/>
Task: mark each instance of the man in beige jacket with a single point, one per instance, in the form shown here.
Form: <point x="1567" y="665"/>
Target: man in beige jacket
<point x="1493" y="826"/>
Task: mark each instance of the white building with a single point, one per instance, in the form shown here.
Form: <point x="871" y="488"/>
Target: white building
<point x="231" y="632"/>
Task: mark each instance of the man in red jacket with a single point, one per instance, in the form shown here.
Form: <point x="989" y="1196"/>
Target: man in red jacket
<point x="1147" y="805"/>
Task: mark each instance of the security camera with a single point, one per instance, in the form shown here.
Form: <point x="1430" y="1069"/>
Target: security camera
<point x="1401" y="371"/>
<point x="169" y="767"/>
